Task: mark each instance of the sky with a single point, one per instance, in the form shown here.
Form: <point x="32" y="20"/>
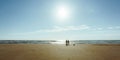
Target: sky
<point x="59" y="19"/>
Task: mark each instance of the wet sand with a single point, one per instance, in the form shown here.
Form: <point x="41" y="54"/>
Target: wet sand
<point x="59" y="52"/>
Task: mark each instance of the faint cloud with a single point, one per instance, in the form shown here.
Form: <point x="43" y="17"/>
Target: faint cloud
<point x="117" y="27"/>
<point x="67" y="28"/>
<point x="110" y="28"/>
<point x="99" y="28"/>
<point x="57" y="29"/>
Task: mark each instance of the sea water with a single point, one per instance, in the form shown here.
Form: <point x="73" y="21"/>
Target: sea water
<point x="59" y="41"/>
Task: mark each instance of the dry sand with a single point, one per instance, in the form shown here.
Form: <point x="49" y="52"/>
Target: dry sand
<point x="59" y="52"/>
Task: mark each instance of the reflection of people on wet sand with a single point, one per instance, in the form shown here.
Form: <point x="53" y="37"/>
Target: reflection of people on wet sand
<point x="67" y="42"/>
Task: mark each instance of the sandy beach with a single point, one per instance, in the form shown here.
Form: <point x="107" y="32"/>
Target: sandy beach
<point x="59" y="52"/>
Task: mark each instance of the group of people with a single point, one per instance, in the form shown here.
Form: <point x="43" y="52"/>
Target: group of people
<point x="67" y="42"/>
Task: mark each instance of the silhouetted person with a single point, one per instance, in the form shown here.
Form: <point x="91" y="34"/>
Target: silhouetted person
<point x="67" y="42"/>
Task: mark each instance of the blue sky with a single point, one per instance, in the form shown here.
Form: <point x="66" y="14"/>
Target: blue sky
<point x="36" y="19"/>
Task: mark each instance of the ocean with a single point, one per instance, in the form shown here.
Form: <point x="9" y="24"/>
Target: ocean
<point x="59" y="41"/>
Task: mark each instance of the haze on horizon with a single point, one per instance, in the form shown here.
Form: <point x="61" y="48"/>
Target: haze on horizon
<point x="60" y="19"/>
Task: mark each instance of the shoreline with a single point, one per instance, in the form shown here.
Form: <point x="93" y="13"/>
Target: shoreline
<point x="59" y="41"/>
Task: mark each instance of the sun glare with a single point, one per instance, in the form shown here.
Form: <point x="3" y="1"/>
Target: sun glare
<point x="62" y="13"/>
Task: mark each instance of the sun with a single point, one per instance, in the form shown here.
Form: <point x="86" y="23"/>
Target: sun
<point x="62" y="13"/>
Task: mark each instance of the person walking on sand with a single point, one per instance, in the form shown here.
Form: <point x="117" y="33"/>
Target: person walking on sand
<point x="67" y="42"/>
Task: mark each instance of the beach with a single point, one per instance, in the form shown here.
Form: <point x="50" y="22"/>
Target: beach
<point x="59" y="52"/>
